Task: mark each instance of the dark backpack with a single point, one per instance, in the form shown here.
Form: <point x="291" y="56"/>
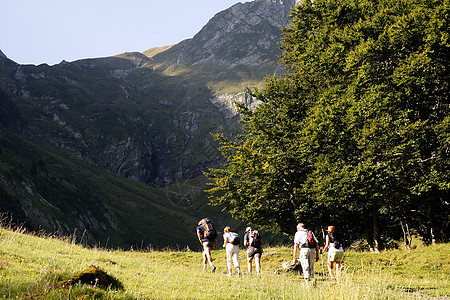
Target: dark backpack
<point x="255" y="239"/>
<point x="209" y="232"/>
<point x="235" y="239"/>
<point x="336" y="239"/>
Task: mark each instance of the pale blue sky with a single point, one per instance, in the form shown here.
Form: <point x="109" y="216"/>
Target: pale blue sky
<point x="49" y="31"/>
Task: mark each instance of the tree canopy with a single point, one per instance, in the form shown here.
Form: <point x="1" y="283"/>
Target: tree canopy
<point x="356" y="133"/>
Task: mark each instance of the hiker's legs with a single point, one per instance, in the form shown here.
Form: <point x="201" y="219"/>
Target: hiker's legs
<point x="312" y="260"/>
<point x="204" y="257"/>
<point x="258" y="263"/>
<point x="229" y="252"/>
<point x="249" y="265"/>
<point x="207" y="255"/>
<point x="251" y="252"/>
<point x="338" y="260"/>
<point x="338" y="270"/>
<point x="307" y="257"/>
<point x="239" y="270"/>
<point x="330" y="268"/>
<point x="229" y="266"/>
<point x="235" y="256"/>
<point x="304" y="261"/>
<point x="335" y="257"/>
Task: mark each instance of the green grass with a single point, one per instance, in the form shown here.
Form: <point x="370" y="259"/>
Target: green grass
<point x="33" y="267"/>
<point x="155" y="50"/>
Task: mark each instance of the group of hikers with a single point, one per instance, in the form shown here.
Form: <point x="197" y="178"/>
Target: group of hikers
<point x="306" y="249"/>
<point x="207" y="236"/>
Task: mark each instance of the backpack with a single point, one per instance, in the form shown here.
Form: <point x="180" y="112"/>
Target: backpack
<point x="209" y="232"/>
<point x="235" y="239"/>
<point x="311" y="240"/>
<point x="255" y="239"/>
<point x="336" y="239"/>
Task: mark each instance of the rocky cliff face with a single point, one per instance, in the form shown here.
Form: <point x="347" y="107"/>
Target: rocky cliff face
<point x="122" y="114"/>
<point x="247" y="34"/>
<point x="226" y="103"/>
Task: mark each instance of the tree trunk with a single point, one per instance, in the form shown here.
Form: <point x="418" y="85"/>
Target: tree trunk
<point x="378" y="245"/>
<point x="432" y="222"/>
<point x="369" y="232"/>
<point x="433" y="237"/>
<point x="406" y="235"/>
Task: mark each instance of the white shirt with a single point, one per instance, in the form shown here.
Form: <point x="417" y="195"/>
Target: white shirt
<point x="229" y="236"/>
<point x="301" y="237"/>
<point x="331" y="248"/>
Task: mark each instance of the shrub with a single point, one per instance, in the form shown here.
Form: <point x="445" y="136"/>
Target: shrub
<point x="95" y="276"/>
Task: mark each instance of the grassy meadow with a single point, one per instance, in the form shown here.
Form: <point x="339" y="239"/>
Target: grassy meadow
<point x="37" y="267"/>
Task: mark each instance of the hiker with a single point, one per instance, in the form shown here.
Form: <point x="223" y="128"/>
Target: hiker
<point x="231" y="241"/>
<point x="306" y="241"/>
<point x="207" y="236"/>
<point x="333" y="244"/>
<point x="253" y="242"/>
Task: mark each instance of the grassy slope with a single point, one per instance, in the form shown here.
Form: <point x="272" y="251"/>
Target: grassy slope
<point x="73" y="188"/>
<point x="30" y="265"/>
<point x="156" y="50"/>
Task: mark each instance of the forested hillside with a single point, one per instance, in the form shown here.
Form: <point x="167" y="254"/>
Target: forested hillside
<point x="350" y="128"/>
<point x="356" y="133"/>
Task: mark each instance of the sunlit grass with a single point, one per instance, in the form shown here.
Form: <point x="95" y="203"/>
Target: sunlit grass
<point x="33" y="267"/>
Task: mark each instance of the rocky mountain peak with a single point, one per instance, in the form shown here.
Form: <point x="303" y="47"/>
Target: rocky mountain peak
<point x="289" y="3"/>
<point x="247" y="34"/>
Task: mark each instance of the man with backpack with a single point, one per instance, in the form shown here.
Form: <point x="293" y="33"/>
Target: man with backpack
<point x="207" y="235"/>
<point x="231" y="241"/>
<point x="306" y="241"/>
<point x="333" y="244"/>
<point x="253" y="242"/>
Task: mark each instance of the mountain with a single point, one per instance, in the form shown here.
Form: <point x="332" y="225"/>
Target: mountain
<point x="237" y="48"/>
<point x="116" y="146"/>
<point x="247" y="34"/>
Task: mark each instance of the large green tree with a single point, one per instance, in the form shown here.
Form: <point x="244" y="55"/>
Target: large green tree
<point x="356" y="130"/>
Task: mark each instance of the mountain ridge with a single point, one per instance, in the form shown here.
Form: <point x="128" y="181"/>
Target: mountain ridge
<point x="147" y="119"/>
<point x="245" y="34"/>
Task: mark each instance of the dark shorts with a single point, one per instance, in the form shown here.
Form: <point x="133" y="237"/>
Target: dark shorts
<point x="254" y="252"/>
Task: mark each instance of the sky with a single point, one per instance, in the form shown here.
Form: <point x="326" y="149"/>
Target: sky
<point x="49" y="31"/>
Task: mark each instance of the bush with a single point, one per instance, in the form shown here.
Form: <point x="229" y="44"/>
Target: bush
<point x="96" y="277"/>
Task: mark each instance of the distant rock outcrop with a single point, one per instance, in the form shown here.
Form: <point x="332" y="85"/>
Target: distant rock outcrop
<point x="246" y="34"/>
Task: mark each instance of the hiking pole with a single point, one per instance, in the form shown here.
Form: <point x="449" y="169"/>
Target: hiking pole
<point x="321" y="255"/>
<point x="323" y="270"/>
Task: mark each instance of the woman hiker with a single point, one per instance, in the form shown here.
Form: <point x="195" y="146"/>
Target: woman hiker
<point x="253" y="242"/>
<point x="231" y="243"/>
<point x="333" y="244"/>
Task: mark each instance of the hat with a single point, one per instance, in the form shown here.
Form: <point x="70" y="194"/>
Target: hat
<point x="330" y="229"/>
<point x="248" y="229"/>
